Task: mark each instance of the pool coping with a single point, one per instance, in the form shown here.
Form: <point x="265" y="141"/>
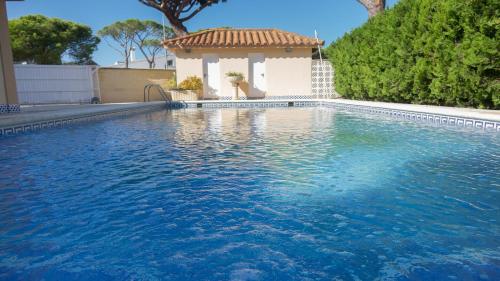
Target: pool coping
<point x="32" y="121"/>
<point x="486" y="120"/>
<point x="451" y="116"/>
<point x="470" y="113"/>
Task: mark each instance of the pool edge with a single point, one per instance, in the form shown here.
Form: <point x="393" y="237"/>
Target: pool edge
<point x="488" y="120"/>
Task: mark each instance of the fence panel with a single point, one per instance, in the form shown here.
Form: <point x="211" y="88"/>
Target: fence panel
<point x="322" y="79"/>
<point x="127" y="85"/>
<point x="46" y="84"/>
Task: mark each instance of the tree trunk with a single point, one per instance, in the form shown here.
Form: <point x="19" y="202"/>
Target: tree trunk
<point x="174" y="9"/>
<point x="126" y="58"/>
<point x="373" y="6"/>
<point x="179" y="28"/>
<point x="177" y="25"/>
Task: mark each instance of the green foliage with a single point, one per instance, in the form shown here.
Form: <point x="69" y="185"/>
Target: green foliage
<point x="316" y="54"/>
<point x="426" y="52"/>
<point x="42" y="40"/>
<point x="171" y="83"/>
<point x="146" y="35"/>
<point x="191" y="83"/>
<point x="121" y="33"/>
<point x="178" y="12"/>
<point x="118" y="31"/>
<point x="235" y="76"/>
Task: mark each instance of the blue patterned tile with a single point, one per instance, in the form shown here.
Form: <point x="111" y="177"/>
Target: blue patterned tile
<point x="443" y="120"/>
<point x="8" y="131"/>
<point x="489" y="125"/>
<point x="399" y="114"/>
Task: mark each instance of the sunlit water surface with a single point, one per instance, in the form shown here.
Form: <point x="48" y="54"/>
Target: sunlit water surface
<point x="250" y="194"/>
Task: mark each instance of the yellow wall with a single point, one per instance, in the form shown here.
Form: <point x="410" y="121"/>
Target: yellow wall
<point x="127" y="85"/>
<point x="288" y="73"/>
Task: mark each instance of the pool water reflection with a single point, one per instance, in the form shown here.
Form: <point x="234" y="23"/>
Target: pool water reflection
<point x="250" y="194"/>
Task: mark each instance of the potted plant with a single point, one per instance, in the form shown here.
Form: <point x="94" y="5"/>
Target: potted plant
<point x="192" y="85"/>
<point x="189" y="89"/>
<point x="236" y="78"/>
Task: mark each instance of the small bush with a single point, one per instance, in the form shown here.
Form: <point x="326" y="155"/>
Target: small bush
<point x="191" y="83"/>
<point x="236" y="77"/>
<point x="442" y="52"/>
<point x="171" y="83"/>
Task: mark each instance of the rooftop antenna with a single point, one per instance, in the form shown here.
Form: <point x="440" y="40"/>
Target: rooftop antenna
<point x="322" y="66"/>
<point x="319" y="47"/>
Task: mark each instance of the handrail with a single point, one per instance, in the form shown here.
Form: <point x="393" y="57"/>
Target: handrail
<point x="165" y="95"/>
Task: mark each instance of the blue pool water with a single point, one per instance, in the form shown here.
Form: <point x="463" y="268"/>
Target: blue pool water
<point x="250" y="194"/>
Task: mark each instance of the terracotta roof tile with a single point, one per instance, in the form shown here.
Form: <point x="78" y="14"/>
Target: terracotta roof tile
<point x="233" y="38"/>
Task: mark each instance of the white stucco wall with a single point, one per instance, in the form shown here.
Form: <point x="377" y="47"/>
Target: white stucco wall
<point x="287" y="73"/>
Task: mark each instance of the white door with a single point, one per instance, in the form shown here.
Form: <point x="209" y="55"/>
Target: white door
<point x="211" y="76"/>
<point x="257" y="74"/>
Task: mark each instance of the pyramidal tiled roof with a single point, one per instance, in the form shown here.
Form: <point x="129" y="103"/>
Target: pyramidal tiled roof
<point x="238" y="38"/>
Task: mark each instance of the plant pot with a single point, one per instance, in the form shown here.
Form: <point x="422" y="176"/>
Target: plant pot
<point x="184" y="95"/>
<point x="236" y="81"/>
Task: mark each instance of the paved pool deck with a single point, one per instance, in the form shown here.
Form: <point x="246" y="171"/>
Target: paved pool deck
<point x="481" y="114"/>
<point x="43" y="113"/>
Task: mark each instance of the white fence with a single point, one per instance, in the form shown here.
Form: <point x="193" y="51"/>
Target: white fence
<point x="45" y="84"/>
<point x="322" y="79"/>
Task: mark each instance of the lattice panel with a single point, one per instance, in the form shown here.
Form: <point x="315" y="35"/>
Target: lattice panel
<point x="322" y="79"/>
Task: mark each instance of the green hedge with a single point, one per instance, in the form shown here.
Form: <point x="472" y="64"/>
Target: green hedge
<point x="442" y="52"/>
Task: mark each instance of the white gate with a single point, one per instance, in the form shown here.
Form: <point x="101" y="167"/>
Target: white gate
<point x="322" y="79"/>
<point x="46" y="84"/>
<point x="211" y="75"/>
<point x="256" y="74"/>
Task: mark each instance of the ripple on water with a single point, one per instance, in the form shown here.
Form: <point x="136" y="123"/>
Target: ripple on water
<point x="240" y="194"/>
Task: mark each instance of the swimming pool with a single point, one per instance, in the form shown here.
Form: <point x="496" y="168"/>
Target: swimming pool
<point x="250" y="194"/>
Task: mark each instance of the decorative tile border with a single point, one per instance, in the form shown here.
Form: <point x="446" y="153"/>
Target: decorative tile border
<point x="236" y="104"/>
<point x="419" y="116"/>
<point x="399" y="114"/>
<point x="250" y="104"/>
<point x="290" y="97"/>
<point x="296" y="97"/>
<point x="393" y="113"/>
<point x="36" y="126"/>
<point x="9" y="108"/>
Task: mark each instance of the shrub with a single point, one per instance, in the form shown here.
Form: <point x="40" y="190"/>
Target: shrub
<point x="235" y="77"/>
<point x="171" y="83"/>
<point x="423" y="51"/>
<point x="191" y="83"/>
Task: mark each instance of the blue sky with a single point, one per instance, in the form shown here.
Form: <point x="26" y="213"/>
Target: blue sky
<point x="331" y="18"/>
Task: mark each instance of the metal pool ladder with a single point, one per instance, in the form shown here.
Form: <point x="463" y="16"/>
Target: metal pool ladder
<point x="166" y="96"/>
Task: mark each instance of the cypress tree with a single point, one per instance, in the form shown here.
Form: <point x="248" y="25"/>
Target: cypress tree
<point x="425" y="52"/>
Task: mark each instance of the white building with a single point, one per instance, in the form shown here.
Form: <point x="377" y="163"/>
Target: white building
<point x="275" y="63"/>
<point x="161" y="62"/>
